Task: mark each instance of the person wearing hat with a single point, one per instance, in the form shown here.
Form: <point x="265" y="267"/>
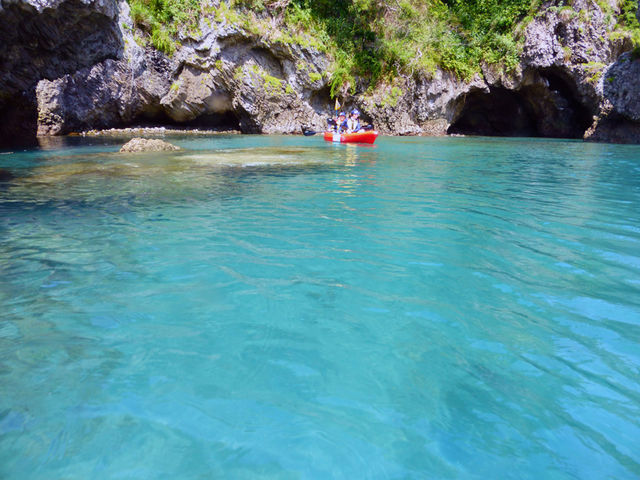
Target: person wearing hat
<point x="353" y="124"/>
<point x="339" y="125"/>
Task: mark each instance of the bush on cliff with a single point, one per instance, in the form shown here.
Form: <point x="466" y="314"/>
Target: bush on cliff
<point x="376" y="39"/>
<point x="162" y="19"/>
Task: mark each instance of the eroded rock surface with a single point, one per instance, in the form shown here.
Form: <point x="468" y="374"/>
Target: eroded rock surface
<point x="619" y="118"/>
<point x="109" y="94"/>
<point x="225" y="77"/>
<point x="46" y="39"/>
<point x="557" y="90"/>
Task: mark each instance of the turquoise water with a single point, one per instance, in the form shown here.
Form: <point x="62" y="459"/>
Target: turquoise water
<point x="278" y="307"/>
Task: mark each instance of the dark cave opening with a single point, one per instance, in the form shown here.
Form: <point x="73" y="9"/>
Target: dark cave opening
<point x="19" y="116"/>
<point x="215" y="121"/>
<point x="499" y="112"/>
<point x="575" y="116"/>
<point x="546" y="107"/>
<point x="226" y="121"/>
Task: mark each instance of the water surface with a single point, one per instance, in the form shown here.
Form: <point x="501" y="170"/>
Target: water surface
<point x="278" y="307"/>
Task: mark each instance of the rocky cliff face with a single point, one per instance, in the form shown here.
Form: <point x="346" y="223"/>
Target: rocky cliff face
<point x="557" y="91"/>
<point x="618" y="119"/>
<point x="81" y="62"/>
<point x="46" y="39"/>
<point x="222" y="77"/>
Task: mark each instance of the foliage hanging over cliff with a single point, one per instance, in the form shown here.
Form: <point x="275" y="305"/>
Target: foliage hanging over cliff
<point x="162" y="19"/>
<point x="375" y="39"/>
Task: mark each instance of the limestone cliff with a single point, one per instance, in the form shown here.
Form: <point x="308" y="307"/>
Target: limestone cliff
<point x="47" y="39"/>
<point x="222" y="77"/>
<point x="618" y="118"/>
<point x="77" y="65"/>
<point x="560" y="89"/>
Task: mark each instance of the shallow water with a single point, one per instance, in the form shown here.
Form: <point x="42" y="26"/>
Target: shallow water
<point x="278" y="307"/>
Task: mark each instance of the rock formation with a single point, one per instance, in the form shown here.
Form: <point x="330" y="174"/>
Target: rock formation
<point x="148" y="145"/>
<point x="619" y="117"/>
<point x="47" y="39"/>
<point x="555" y="92"/>
<point x="223" y="77"/>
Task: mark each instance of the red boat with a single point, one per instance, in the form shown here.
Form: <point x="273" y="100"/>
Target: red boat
<point x="368" y="136"/>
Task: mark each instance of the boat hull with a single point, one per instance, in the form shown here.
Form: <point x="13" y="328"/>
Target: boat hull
<point x="368" y="136"/>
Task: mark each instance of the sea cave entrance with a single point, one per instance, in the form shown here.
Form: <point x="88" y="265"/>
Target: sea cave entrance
<point x="547" y="106"/>
<point x="499" y="112"/>
<point x="224" y="121"/>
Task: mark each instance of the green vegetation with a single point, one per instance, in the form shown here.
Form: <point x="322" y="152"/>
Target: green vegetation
<point x="628" y="22"/>
<point x="238" y="73"/>
<point x="391" y="98"/>
<point x="315" y="76"/>
<point x="161" y="20"/>
<point x="273" y="86"/>
<point x="594" y="70"/>
<point x="380" y="40"/>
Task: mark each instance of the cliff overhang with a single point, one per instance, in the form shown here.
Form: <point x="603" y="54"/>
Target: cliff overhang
<point x="47" y="39"/>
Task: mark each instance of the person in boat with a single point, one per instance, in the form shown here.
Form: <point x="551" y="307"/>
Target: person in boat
<point x="340" y="124"/>
<point x="353" y="123"/>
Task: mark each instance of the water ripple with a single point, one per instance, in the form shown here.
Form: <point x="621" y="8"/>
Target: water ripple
<point x="278" y="307"/>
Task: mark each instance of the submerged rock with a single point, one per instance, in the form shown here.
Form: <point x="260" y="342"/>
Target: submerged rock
<point x="148" y="145"/>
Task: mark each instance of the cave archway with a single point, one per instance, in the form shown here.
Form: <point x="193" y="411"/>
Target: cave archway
<point x="224" y="121"/>
<point x="215" y="121"/>
<point x="498" y="112"/>
<point x="548" y="105"/>
<point x="555" y="101"/>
